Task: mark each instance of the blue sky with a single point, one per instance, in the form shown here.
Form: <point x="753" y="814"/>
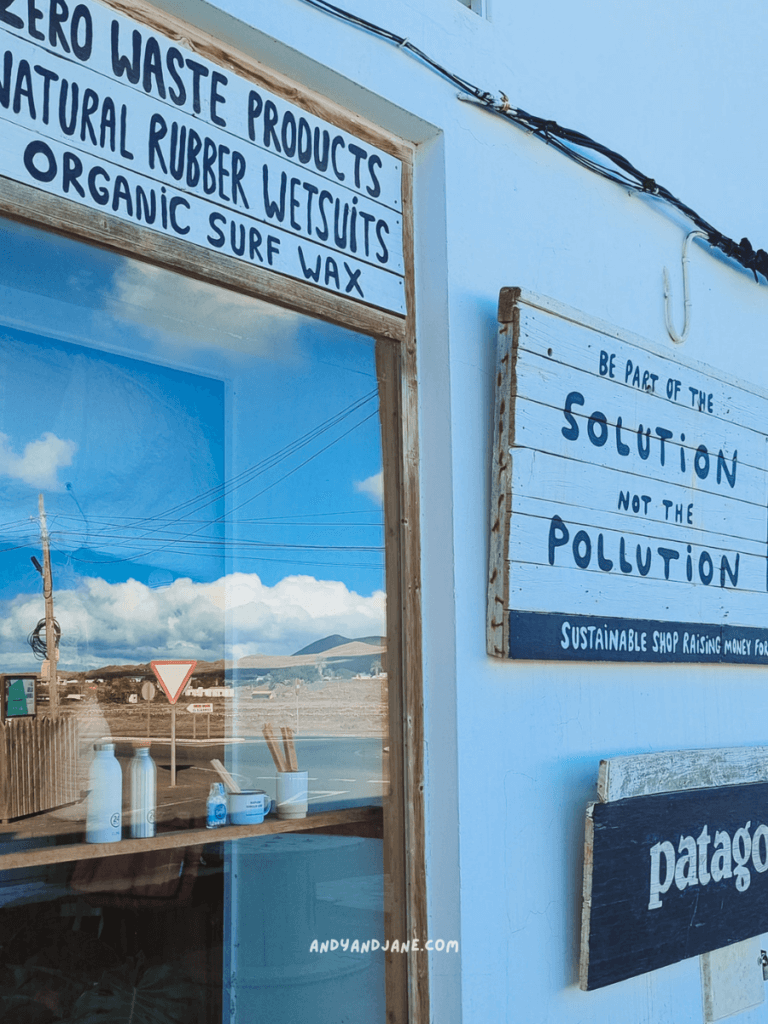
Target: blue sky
<point x="184" y="438"/>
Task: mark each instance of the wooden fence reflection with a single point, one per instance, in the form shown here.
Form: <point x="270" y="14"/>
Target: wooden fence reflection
<point x="38" y="766"/>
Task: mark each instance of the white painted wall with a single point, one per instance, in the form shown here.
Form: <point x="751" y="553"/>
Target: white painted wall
<point x="513" y="749"/>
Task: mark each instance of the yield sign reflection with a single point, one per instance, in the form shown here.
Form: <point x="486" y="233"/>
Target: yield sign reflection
<point x="173" y="676"/>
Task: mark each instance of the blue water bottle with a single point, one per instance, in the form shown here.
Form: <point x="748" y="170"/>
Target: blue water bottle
<point x="216" y="806"/>
<point x="143" y="792"/>
<point x="105" y="797"/>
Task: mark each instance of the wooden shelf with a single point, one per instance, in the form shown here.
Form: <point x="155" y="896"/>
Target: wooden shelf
<point x="187" y="837"/>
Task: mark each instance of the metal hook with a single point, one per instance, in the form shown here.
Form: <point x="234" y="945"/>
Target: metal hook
<point x="680" y="338"/>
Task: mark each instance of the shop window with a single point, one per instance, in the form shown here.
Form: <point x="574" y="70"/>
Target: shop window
<point x="204" y="471"/>
<point x="208" y="539"/>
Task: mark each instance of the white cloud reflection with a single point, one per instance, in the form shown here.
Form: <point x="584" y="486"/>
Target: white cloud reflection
<point x="40" y="462"/>
<point x="114" y="623"/>
<point x="373" y="487"/>
<point x="169" y="308"/>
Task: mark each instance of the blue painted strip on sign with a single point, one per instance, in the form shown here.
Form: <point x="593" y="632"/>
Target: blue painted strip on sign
<point x="553" y="636"/>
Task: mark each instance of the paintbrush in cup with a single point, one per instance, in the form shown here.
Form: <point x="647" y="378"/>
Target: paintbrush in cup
<point x="274" y="747"/>
<point x="226" y="778"/>
<point x="289" y="748"/>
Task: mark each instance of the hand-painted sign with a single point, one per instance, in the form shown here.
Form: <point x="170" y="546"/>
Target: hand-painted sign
<point x="672" y="875"/>
<point x="554" y="636"/>
<point x="625" y="480"/>
<point x="101" y="110"/>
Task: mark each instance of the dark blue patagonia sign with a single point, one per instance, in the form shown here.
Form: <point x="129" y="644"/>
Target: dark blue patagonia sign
<point x="671" y="876"/>
<point x="553" y="636"/>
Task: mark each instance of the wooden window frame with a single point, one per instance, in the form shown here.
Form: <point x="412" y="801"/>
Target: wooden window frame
<point x="404" y="816"/>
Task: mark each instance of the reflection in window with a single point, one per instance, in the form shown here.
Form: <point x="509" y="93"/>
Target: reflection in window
<point x="210" y="469"/>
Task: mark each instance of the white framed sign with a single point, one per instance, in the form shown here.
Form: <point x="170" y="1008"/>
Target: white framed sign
<point x="103" y="111"/>
<point x="630" y="498"/>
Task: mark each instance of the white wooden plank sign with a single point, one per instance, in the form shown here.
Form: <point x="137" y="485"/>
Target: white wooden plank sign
<point x="629" y="498"/>
<point x="101" y="110"/>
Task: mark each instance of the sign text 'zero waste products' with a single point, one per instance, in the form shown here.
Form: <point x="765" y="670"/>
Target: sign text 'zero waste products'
<point x="103" y="111"/>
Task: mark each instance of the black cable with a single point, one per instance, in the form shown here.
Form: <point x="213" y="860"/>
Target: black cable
<point x="562" y="139"/>
<point x="221" y="518"/>
<point x="38" y="642"/>
<point x="197" y="503"/>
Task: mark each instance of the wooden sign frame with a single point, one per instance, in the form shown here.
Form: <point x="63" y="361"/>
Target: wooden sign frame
<point x="629" y="497"/>
<point x="675" y="860"/>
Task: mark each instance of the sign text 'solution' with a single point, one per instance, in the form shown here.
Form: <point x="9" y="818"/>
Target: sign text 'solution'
<point x="103" y="111"/>
<point x="630" y="494"/>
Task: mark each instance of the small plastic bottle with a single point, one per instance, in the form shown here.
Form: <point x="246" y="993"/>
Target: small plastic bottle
<point x="216" y="806"/>
<point x="143" y="792"/>
<point x="103" y="823"/>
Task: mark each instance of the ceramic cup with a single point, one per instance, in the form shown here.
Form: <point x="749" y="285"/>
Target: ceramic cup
<point x="292" y="794"/>
<point x="248" y="808"/>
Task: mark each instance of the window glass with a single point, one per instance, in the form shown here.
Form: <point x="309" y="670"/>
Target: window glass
<point x="204" y="472"/>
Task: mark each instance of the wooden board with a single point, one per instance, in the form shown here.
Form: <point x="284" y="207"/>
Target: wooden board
<point x="122" y="119"/>
<point x="629" y="490"/>
<point x="555" y="637"/>
<point x="407" y="715"/>
<point x="671" y="876"/>
<point x="672" y="770"/>
<point x="30" y="205"/>
<point x="67" y="853"/>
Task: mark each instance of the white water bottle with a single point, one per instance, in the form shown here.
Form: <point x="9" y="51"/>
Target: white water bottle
<point x="103" y="823"/>
<point x="143" y="792"/>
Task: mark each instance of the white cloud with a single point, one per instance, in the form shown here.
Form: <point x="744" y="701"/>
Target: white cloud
<point x="40" y="462"/>
<point x="113" y="623"/>
<point x="373" y="487"/>
<point x="171" y="308"/>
